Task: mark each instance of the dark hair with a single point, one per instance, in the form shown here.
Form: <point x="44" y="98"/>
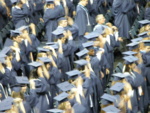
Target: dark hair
<point x="33" y="74"/>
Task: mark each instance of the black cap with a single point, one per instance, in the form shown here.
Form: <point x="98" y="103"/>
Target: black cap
<point x="14" y="33"/>
<point x="61" y="97"/>
<point x="118" y="87"/>
<point x="111" y="109"/>
<point x="130" y="59"/>
<point x="82" y="53"/>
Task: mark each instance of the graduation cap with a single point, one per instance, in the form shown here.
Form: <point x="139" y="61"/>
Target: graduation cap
<point x="41" y="49"/>
<point x="137" y="39"/>
<point x="49" y="1"/>
<point x="22" y="28"/>
<point x="119" y="76"/>
<point x="6" y="104"/>
<point x="61" y="18"/>
<point x="44" y="59"/>
<point x="146" y="42"/>
<point x="50" y="43"/>
<point x="111" y="109"/>
<point x="82" y="53"/>
<point x="14" y="1"/>
<point x="65" y="86"/>
<point x="73" y="73"/>
<point x="92" y="35"/>
<point x="55" y="111"/>
<point x="144" y="22"/>
<point x="55" y="46"/>
<point x="81" y="62"/>
<point x="2" y="59"/>
<point x="88" y="44"/>
<point x="6" y="50"/>
<point x="129" y="53"/>
<point x="130" y="59"/>
<point x="35" y="64"/>
<point x="100" y="29"/>
<point x="58" y="32"/>
<point x="133" y="45"/>
<point x="61" y="97"/>
<point x="8" y="42"/>
<point x="22" y="80"/>
<point x="14" y="33"/>
<point x="117" y="87"/>
<point x="143" y="34"/>
<point x="108" y="97"/>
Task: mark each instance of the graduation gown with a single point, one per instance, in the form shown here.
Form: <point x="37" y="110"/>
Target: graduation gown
<point x="82" y="19"/>
<point x="50" y="19"/>
<point x="102" y="9"/>
<point x="42" y="88"/>
<point x="120" y="9"/>
<point x="3" y="16"/>
<point x="147" y="14"/>
<point x="20" y="17"/>
<point x="135" y="80"/>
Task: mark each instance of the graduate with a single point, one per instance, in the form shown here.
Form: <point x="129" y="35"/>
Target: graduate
<point x="83" y="19"/>
<point x="120" y="9"/>
<point x="20" y="13"/>
<point x="53" y="11"/>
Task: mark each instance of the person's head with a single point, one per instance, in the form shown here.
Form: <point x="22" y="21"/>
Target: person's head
<point x="63" y="22"/>
<point x="100" y="19"/>
<point x="83" y="2"/>
<point x="24" y="89"/>
<point x="17" y="38"/>
<point x="50" y="5"/>
<point x="19" y="4"/>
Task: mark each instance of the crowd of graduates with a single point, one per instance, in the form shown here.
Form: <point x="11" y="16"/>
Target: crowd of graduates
<point x="69" y="70"/>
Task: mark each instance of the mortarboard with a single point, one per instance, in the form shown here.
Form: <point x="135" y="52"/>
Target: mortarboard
<point x="5" y="50"/>
<point x="108" y="97"/>
<point x="146" y="42"/>
<point x="130" y="59"/>
<point x="2" y="59"/>
<point x="144" y="22"/>
<point x="117" y="87"/>
<point x="73" y="73"/>
<point x="137" y="39"/>
<point x="91" y="35"/>
<point x="133" y="45"/>
<point x="50" y="43"/>
<point x="6" y="104"/>
<point x="121" y="75"/>
<point x="82" y="53"/>
<point x="129" y="53"/>
<point x="55" y="46"/>
<point x="14" y="1"/>
<point x="143" y="34"/>
<point x="49" y="1"/>
<point x="111" y="109"/>
<point x="16" y="88"/>
<point x="61" y="97"/>
<point x="14" y="33"/>
<point x="22" y="28"/>
<point x="61" y="18"/>
<point x="35" y="64"/>
<point x="22" y="80"/>
<point x="41" y="49"/>
<point x="58" y="32"/>
<point x="81" y="62"/>
<point x="8" y="42"/>
<point x="44" y="59"/>
<point x="88" y="44"/>
<point x="65" y="86"/>
<point x="55" y="111"/>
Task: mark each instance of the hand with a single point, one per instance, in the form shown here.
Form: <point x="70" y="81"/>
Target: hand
<point x="107" y="71"/>
<point x="32" y="84"/>
<point x="40" y="72"/>
<point x="17" y="100"/>
<point x="120" y="39"/>
<point x="70" y="21"/>
<point x="57" y="2"/>
<point x="69" y="33"/>
<point x="23" y="1"/>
